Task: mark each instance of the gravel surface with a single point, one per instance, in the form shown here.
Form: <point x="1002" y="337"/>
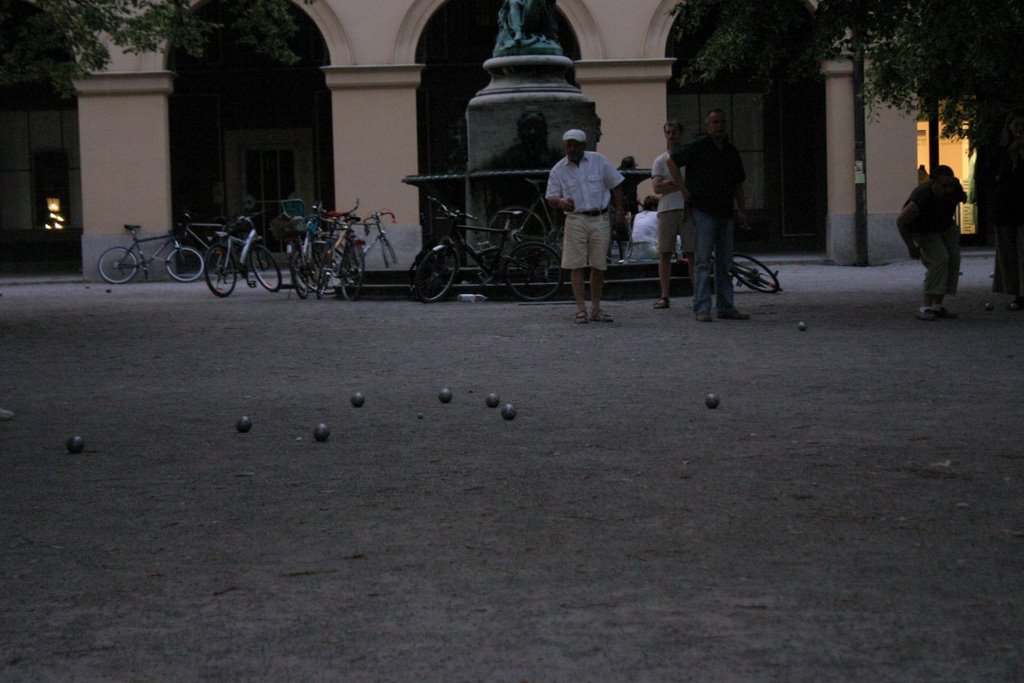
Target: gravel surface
<point x="853" y="510"/>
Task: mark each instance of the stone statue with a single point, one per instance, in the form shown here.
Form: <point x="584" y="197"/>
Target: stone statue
<point x="527" y="27"/>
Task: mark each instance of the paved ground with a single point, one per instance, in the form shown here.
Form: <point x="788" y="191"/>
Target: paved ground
<point x="853" y="510"/>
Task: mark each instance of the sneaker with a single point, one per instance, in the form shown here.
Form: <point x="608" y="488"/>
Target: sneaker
<point x="662" y="302"/>
<point x="703" y="316"/>
<point x="925" y="313"/>
<point x="733" y="315"/>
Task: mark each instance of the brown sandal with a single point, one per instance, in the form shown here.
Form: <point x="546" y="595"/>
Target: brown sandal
<point x="581" y="318"/>
<point x="662" y="302"/>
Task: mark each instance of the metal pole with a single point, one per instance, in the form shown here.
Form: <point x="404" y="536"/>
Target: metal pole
<point x="860" y="160"/>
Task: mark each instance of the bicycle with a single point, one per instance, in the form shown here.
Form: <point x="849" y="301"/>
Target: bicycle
<point x="118" y="265"/>
<point x="386" y="250"/>
<point x="748" y="272"/>
<point x="345" y="265"/>
<point x="231" y="256"/>
<point x="535" y="222"/>
<point x="531" y="269"/>
<point x="301" y="236"/>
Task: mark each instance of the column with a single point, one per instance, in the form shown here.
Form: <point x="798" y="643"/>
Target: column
<point x="126" y="166"/>
<point x="375" y="144"/>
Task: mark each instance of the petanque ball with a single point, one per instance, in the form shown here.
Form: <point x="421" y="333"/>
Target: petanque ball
<point x="244" y="424"/>
<point x="711" y="401"/>
<point x="508" y="411"/>
<point x="988" y="306"/>
<point x="492" y="400"/>
<point x="802" y="327"/>
<point x="321" y="432"/>
<point x="358" y="399"/>
<point x="75" y="444"/>
<point x="445" y="395"/>
<point x="419" y="416"/>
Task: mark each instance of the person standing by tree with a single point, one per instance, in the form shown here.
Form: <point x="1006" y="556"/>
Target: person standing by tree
<point x="927" y="227"/>
<point x="713" y="189"/>
<point x="672" y="221"/>
<point x="580" y="184"/>
<point x="1008" y="212"/>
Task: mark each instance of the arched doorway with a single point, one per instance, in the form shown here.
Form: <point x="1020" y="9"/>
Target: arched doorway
<point x="247" y="131"/>
<point x="781" y="137"/>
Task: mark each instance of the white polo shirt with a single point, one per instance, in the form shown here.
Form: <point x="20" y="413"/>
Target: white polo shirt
<point x="588" y="184"/>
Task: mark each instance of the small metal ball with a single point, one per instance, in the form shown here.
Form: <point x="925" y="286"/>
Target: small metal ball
<point x="802" y="327"/>
<point x="244" y="424"/>
<point x="321" y="432"/>
<point x="445" y="395"/>
<point x="358" y="399"/>
<point x="711" y="401"/>
<point x="492" y="400"/>
<point x="508" y="411"/>
<point x="419" y="416"/>
<point x="988" y="306"/>
<point x="75" y="444"/>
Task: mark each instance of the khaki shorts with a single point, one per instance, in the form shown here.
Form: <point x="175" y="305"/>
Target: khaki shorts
<point x="671" y="223"/>
<point x="585" y="242"/>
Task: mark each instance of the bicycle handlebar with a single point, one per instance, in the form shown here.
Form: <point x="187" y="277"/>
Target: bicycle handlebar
<point x="451" y="213"/>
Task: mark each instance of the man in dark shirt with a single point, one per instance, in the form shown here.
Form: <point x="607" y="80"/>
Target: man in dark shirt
<point x="927" y="227"/>
<point x="713" y="188"/>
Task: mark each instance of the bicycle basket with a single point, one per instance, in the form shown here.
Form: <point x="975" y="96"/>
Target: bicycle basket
<point x="293" y="207"/>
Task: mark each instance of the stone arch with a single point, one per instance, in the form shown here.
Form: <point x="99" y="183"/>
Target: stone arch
<point x="326" y="21"/>
<point x="416" y="18"/>
<point x="660" y="28"/>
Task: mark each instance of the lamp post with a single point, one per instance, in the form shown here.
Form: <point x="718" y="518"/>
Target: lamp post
<point x="860" y="226"/>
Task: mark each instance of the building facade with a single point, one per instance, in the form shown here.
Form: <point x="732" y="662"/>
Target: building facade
<point x="378" y="96"/>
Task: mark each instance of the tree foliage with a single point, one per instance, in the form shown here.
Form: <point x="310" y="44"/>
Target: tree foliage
<point x="958" y="59"/>
<point x="64" y="40"/>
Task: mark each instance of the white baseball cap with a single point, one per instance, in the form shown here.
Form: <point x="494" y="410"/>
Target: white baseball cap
<point x="575" y="134"/>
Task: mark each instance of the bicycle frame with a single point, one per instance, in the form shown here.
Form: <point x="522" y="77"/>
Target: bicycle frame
<point x="137" y="243"/>
<point x="381" y="236"/>
<point x="488" y="259"/>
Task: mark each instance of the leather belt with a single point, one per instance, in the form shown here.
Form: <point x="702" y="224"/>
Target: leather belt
<point x="592" y="212"/>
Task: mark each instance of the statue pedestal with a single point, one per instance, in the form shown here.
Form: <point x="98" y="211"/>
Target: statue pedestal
<point x="516" y="123"/>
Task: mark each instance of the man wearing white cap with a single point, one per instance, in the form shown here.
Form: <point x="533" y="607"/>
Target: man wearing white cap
<point x="581" y="184"/>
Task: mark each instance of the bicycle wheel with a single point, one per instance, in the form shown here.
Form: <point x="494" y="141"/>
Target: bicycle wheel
<point x="436" y="273"/>
<point x="184" y="264"/>
<point x="533" y="271"/>
<point x="264" y="266"/>
<point x="350" y="273"/>
<point x="524" y="224"/>
<point x="221" y="270"/>
<point x="752" y="274"/>
<point x="300" y="282"/>
<point x="118" y="265"/>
